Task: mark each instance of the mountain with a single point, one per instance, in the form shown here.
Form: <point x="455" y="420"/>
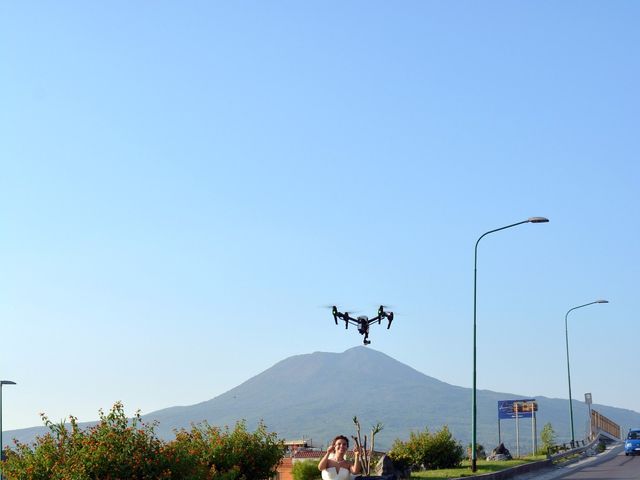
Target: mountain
<point x="315" y="396"/>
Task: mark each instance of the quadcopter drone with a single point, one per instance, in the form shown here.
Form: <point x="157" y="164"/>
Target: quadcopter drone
<point x="362" y="322"/>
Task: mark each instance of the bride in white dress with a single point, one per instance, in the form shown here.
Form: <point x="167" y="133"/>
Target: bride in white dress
<point x="334" y="466"/>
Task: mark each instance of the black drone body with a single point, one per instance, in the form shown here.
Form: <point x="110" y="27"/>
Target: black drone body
<point x="362" y="322"/>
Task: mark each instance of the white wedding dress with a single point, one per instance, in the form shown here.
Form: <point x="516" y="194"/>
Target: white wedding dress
<point x="333" y="473"/>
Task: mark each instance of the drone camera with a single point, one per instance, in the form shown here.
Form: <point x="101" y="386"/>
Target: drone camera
<point x="362" y="322"/>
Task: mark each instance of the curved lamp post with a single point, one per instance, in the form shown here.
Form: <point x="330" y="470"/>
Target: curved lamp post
<point x="566" y="337"/>
<point x="474" y="422"/>
<point x="2" y="384"/>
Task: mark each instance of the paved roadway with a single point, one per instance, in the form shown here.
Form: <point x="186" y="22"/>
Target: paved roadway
<point x="611" y="465"/>
<point x="614" y="467"/>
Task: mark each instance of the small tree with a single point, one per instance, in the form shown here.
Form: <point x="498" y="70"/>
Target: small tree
<point x="366" y="455"/>
<point x="548" y="438"/>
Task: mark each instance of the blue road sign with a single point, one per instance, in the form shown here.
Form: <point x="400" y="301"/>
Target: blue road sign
<point x="525" y="407"/>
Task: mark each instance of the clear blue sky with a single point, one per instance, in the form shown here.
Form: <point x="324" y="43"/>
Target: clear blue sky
<point x="184" y="184"/>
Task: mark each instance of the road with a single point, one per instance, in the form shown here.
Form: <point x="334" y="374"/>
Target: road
<point x="616" y="467"/>
<point x="611" y="465"/>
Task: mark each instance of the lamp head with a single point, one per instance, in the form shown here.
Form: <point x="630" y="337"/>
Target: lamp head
<point x="7" y="382"/>
<point x="538" y="220"/>
<point x="602" y="301"/>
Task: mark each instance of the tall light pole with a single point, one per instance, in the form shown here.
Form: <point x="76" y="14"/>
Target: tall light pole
<point x="566" y="337"/>
<point x="474" y="422"/>
<point x="2" y="383"/>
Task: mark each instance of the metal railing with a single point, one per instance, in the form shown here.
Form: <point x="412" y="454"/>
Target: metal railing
<point x="600" y="423"/>
<point x="574" y="448"/>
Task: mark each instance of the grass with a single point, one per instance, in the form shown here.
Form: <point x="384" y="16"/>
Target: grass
<point x="483" y="467"/>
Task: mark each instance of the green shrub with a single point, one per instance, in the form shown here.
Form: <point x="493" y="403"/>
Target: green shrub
<point x="407" y="454"/>
<point x="208" y="452"/>
<point x="114" y="448"/>
<point x="443" y="451"/>
<point x="118" y="448"/>
<point x="306" y="470"/>
<point x="428" y="450"/>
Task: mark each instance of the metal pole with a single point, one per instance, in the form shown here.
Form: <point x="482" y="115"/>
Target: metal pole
<point x="566" y="333"/>
<point x="533" y="430"/>
<point x="474" y="409"/>
<point x="1" y="444"/>
<point x="517" y="432"/>
<point x="2" y="382"/>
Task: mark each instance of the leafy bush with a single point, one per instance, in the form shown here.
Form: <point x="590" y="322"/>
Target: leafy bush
<point x="408" y="454"/>
<point x="428" y="450"/>
<point x="307" y="470"/>
<point x="207" y="452"/>
<point x="119" y="448"/>
<point x="114" y="448"/>
<point x="443" y="451"/>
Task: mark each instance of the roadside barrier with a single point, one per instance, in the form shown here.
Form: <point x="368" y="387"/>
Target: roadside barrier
<point x="533" y="466"/>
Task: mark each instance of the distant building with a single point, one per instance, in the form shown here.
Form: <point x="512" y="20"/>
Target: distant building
<point x="297" y="450"/>
<point x="294" y="445"/>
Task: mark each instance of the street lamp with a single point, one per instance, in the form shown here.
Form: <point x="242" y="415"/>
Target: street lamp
<point x="566" y="336"/>
<point x="475" y="277"/>
<point x="2" y="383"/>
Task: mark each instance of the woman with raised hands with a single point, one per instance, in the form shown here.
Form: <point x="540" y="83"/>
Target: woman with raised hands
<point x="334" y="466"/>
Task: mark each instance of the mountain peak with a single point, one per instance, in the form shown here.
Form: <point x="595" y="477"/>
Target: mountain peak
<point x="315" y="396"/>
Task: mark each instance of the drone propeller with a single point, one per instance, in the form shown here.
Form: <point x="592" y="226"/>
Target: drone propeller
<point x="334" y="311"/>
<point x="382" y="308"/>
<point x="337" y="307"/>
